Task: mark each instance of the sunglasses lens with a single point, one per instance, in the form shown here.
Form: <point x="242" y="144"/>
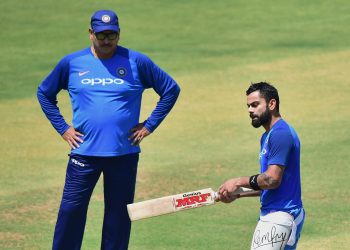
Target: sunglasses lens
<point x="112" y="36"/>
<point x="102" y="36"/>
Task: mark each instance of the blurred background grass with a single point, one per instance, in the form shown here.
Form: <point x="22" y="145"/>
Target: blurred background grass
<point x="214" y="50"/>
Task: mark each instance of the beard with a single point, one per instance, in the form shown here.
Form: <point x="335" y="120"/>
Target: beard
<point x="263" y="119"/>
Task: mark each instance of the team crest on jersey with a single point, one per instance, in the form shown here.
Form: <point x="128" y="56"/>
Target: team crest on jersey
<point x="121" y="72"/>
<point x="106" y="18"/>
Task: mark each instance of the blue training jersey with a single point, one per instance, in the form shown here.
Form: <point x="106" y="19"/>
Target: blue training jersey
<point x="106" y="98"/>
<point x="281" y="146"/>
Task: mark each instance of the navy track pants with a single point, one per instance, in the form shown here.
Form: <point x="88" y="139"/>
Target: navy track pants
<point x="83" y="172"/>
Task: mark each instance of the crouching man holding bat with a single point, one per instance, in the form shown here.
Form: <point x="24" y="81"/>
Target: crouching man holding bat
<point x="278" y="184"/>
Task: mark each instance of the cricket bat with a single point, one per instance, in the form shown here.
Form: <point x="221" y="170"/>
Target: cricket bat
<point x="175" y="203"/>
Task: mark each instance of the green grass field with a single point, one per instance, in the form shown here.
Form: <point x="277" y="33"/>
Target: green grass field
<point x="214" y="50"/>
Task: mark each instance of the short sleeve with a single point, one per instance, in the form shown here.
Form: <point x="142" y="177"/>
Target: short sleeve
<point x="281" y="143"/>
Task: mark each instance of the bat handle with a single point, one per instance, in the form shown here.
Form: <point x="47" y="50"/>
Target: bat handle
<point x="215" y="195"/>
<point x="244" y="190"/>
<point x="241" y="190"/>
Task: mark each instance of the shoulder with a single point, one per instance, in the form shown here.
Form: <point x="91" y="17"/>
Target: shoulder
<point x="138" y="57"/>
<point x="282" y="133"/>
<point x="69" y="57"/>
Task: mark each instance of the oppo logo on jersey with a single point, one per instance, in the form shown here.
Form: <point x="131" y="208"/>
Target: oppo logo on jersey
<point x="102" y="81"/>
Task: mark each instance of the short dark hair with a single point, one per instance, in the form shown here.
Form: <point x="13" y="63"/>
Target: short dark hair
<point x="267" y="91"/>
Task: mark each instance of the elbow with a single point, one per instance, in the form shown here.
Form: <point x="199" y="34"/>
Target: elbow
<point x="45" y="100"/>
<point x="40" y="94"/>
<point x="270" y="182"/>
<point x="177" y="90"/>
<point x="274" y="183"/>
<point x="174" y="93"/>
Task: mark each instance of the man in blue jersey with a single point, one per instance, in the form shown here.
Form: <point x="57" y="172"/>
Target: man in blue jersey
<point x="105" y="83"/>
<point x="278" y="184"/>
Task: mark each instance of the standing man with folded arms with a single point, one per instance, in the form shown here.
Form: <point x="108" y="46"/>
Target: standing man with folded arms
<point x="278" y="183"/>
<point x="105" y="83"/>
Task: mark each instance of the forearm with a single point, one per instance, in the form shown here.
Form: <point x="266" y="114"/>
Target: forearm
<point x="249" y="194"/>
<point x="164" y="106"/>
<point x="267" y="182"/>
<point x="52" y="112"/>
<point x="262" y="181"/>
<point x="270" y="179"/>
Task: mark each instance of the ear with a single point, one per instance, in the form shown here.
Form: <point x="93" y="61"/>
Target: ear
<point x="272" y="104"/>
<point x="91" y="36"/>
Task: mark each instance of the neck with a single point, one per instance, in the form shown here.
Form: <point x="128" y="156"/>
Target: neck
<point x="274" y="119"/>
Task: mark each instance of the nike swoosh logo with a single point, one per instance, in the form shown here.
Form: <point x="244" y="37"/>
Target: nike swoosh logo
<point x="83" y="73"/>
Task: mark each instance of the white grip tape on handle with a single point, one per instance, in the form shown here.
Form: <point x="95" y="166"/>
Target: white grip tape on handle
<point x="241" y="190"/>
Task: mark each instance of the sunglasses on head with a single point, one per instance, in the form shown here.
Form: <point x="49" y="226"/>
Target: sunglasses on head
<point x="103" y="36"/>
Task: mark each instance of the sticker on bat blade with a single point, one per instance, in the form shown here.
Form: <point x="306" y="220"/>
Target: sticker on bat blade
<point x="192" y="200"/>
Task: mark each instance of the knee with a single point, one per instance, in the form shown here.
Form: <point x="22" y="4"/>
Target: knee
<point x="72" y="207"/>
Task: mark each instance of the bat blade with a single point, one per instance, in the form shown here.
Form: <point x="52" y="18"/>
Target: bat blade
<point x="173" y="203"/>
